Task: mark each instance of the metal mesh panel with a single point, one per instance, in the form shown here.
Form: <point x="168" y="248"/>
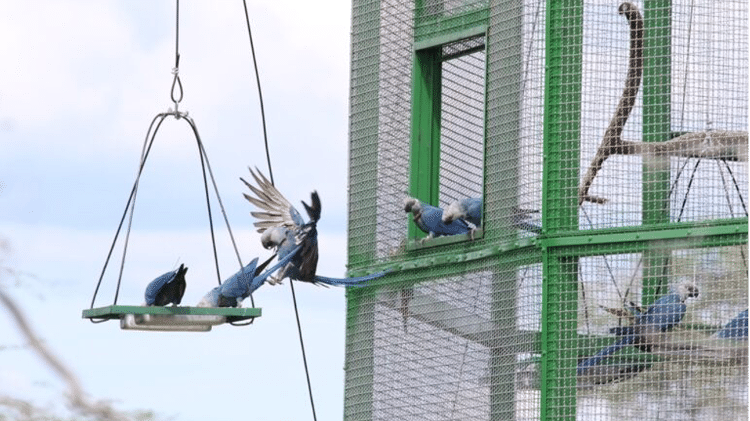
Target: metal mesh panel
<point x="514" y="126"/>
<point x="394" y="95"/>
<point x="530" y="156"/>
<point x="702" y="89"/>
<point x="422" y="370"/>
<point x="454" y="347"/>
<point x="462" y="120"/>
<point x="438" y="17"/>
<point x="688" y="372"/>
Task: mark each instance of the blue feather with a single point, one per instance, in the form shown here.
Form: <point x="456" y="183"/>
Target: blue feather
<point x="429" y="219"/>
<point x="661" y="316"/>
<point x="468" y="209"/>
<point x="243" y="283"/>
<point x="167" y="288"/>
<point x="736" y="328"/>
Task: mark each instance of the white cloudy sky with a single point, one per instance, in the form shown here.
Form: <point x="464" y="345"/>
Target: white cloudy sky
<point x="79" y="83"/>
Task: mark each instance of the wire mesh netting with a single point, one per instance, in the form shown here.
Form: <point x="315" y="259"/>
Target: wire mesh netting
<point x="529" y="320"/>
<point x="684" y="363"/>
<point x="690" y="97"/>
<point x="462" y="120"/>
<point x="438" y="354"/>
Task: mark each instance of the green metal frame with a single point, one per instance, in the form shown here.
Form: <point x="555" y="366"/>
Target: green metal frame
<point x="424" y="175"/>
<point x="425" y="137"/>
<point x="562" y="102"/>
<point x="657" y="83"/>
<point x="562" y="244"/>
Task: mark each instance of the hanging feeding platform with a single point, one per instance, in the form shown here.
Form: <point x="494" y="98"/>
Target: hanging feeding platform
<point x="162" y="317"/>
<point x="168" y="318"/>
<point x="158" y="316"/>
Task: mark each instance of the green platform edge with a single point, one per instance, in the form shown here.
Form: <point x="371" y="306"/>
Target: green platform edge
<point x="115" y="311"/>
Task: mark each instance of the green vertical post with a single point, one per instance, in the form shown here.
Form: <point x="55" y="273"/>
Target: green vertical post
<point x="559" y="336"/>
<point x="562" y="112"/>
<point x="503" y="116"/>
<point x="363" y="170"/>
<point x="363" y="131"/>
<point x="360" y="354"/>
<point x="425" y="129"/>
<point x="657" y="92"/>
<point x="504" y="67"/>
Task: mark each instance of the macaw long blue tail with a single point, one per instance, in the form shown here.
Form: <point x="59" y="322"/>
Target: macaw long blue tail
<point x="601" y="355"/>
<point x="349" y="282"/>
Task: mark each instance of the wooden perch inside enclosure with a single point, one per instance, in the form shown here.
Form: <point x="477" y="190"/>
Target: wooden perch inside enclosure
<point x="717" y="144"/>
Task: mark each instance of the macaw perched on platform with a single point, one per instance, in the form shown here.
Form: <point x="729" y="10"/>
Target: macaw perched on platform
<point x="430" y="219"/>
<point x="736" y="328"/>
<point x="469" y="209"/>
<point x="243" y="283"/>
<point x="167" y="288"/>
<point x="283" y="229"/>
<point x="661" y="316"/>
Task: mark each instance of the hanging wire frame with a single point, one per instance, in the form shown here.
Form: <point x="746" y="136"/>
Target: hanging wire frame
<point x="169" y="318"/>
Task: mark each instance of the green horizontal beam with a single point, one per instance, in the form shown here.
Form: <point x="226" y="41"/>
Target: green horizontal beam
<point x="443" y="240"/>
<point x="688" y="231"/>
<point x="447" y="258"/>
<point x="115" y="311"/>
<point x="442" y="39"/>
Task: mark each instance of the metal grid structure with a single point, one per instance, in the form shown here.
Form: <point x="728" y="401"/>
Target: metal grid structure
<point x="514" y="101"/>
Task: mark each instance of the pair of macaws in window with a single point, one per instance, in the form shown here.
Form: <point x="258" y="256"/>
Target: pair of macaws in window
<point x="460" y="217"/>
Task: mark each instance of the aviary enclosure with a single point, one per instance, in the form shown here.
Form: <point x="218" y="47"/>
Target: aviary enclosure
<point x="608" y="142"/>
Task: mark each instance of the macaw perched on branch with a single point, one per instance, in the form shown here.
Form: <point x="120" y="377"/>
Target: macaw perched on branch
<point x="283" y="229"/>
<point x="243" y="283"/>
<point x="430" y="219"/>
<point x="167" y="288"/>
<point x="661" y="316"/>
<point x="736" y="328"/>
<point x="468" y="209"/>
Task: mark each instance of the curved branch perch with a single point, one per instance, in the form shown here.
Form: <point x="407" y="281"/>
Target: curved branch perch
<point x="612" y="142"/>
<point x="715" y="144"/>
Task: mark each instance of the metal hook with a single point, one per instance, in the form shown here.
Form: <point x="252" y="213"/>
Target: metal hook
<point x="176" y="82"/>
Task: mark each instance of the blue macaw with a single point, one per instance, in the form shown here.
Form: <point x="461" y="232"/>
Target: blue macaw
<point x="430" y="219"/>
<point x="282" y="227"/>
<point x="167" y="288"/>
<point x="736" y="328"/>
<point x="469" y="209"/>
<point x="243" y="283"/>
<point x="661" y="316"/>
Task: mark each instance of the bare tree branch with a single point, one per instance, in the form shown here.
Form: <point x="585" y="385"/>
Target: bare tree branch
<point x="76" y="396"/>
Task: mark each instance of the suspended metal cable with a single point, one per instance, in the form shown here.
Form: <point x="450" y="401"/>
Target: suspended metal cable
<point x="270" y="174"/>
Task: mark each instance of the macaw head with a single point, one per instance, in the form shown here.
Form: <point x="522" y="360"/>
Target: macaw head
<point x="687" y="290"/>
<point x="414" y="206"/>
<point x="273" y="237"/>
<point x="453" y="211"/>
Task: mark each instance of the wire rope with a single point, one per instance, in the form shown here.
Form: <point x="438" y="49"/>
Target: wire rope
<point x="270" y="174"/>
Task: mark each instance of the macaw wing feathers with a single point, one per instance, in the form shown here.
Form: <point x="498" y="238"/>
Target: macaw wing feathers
<point x="263" y="265"/>
<point x="308" y="262"/>
<point x="167" y="288"/>
<point x="278" y="210"/>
